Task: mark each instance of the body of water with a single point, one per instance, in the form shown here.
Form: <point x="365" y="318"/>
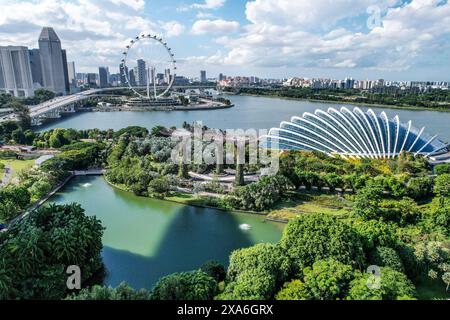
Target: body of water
<point x="146" y="239"/>
<point x="249" y="112"/>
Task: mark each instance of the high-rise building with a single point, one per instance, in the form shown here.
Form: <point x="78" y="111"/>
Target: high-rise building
<point x="141" y="73"/>
<point x="15" y="71"/>
<point x="92" y="79"/>
<point x="349" y="83"/>
<point x="167" y="76"/>
<point x="72" y="73"/>
<point x="103" y="77"/>
<point x="203" y="76"/>
<point x="123" y="69"/>
<point x="52" y="61"/>
<point x="36" y="67"/>
<point x="132" y="78"/>
<point x="221" y="77"/>
<point x="66" y="71"/>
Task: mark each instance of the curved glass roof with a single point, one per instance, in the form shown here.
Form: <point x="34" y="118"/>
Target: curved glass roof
<point x="353" y="133"/>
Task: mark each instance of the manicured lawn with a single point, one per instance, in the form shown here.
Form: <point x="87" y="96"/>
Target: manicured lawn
<point x="310" y="203"/>
<point x="17" y="166"/>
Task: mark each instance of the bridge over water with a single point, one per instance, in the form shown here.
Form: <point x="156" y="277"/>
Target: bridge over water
<point x="67" y="104"/>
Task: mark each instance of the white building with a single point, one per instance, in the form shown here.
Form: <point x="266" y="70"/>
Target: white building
<point x="15" y="71"/>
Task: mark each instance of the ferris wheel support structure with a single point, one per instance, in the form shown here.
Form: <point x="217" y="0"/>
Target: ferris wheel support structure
<point x="168" y="61"/>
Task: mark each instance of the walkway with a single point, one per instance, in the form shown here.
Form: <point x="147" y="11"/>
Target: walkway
<point x="7" y="175"/>
<point x="229" y="178"/>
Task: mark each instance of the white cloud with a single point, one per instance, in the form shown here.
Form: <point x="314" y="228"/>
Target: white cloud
<point x="314" y="14"/>
<point x="214" y="27"/>
<point x="286" y="33"/>
<point x="94" y="32"/>
<point x="205" y="5"/>
<point x="209" y="4"/>
<point x="173" y="28"/>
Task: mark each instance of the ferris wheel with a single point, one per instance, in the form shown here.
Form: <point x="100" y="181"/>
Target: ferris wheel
<point x="149" y="66"/>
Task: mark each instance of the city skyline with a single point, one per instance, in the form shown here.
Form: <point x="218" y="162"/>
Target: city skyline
<point x="395" y="40"/>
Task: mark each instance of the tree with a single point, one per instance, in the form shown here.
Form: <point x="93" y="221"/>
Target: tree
<point x="394" y="285"/>
<point x="442" y="169"/>
<point x="261" y="195"/>
<point x="404" y="211"/>
<point x="158" y="131"/>
<point x="319" y="236"/>
<point x="433" y="258"/>
<point x="215" y="270"/>
<point x="294" y="290"/>
<point x="22" y="112"/>
<point x="442" y="186"/>
<point x="132" y="131"/>
<point x="194" y="285"/>
<point x="419" y="187"/>
<point x="255" y="272"/>
<point x="35" y="252"/>
<point x="374" y="233"/>
<point x="333" y="181"/>
<point x="367" y="202"/>
<point x="40" y="188"/>
<point x="42" y="95"/>
<point x="327" y="280"/>
<point x="18" y="136"/>
<point x="387" y="257"/>
<point x="122" y="292"/>
<point x="159" y="187"/>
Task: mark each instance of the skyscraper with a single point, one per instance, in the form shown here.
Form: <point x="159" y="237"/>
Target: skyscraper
<point x="92" y="79"/>
<point x="15" y="71"/>
<point x="36" y="67"/>
<point x="132" y="78"/>
<point x="71" y="72"/>
<point x="103" y="76"/>
<point x="123" y="69"/>
<point x="66" y="71"/>
<point x="167" y="76"/>
<point x="141" y="73"/>
<point x="52" y="61"/>
<point x="203" y="76"/>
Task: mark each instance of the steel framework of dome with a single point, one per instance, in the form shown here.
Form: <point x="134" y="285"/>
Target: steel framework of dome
<point x="354" y="134"/>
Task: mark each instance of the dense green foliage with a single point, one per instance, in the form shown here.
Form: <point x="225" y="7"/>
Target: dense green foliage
<point x="315" y="237"/>
<point x="122" y="292"/>
<point x="194" y="285"/>
<point x="13" y="199"/>
<point x="260" y="195"/>
<point x="36" y="251"/>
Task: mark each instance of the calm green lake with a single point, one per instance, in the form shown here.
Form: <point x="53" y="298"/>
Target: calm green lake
<point x="146" y="239"/>
<point x="249" y="112"/>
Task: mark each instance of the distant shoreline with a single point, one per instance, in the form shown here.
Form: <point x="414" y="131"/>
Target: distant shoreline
<point x="368" y="105"/>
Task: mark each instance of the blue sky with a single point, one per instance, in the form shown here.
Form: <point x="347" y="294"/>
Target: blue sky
<point x="391" y="39"/>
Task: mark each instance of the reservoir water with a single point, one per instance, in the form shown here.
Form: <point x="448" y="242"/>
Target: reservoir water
<point x="249" y="112"/>
<point x="146" y="239"/>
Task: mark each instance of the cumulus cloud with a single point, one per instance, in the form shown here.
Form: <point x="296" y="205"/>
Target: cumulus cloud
<point x="286" y="33"/>
<point x="205" y="5"/>
<point x="214" y="27"/>
<point x="173" y="28"/>
<point x="93" y="32"/>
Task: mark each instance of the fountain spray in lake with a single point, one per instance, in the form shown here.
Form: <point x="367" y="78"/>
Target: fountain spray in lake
<point x="245" y="227"/>
<point x="86" y="185"/>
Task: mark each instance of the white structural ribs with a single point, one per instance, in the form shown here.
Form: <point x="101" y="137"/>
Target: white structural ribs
<point x="353" y="133"/>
